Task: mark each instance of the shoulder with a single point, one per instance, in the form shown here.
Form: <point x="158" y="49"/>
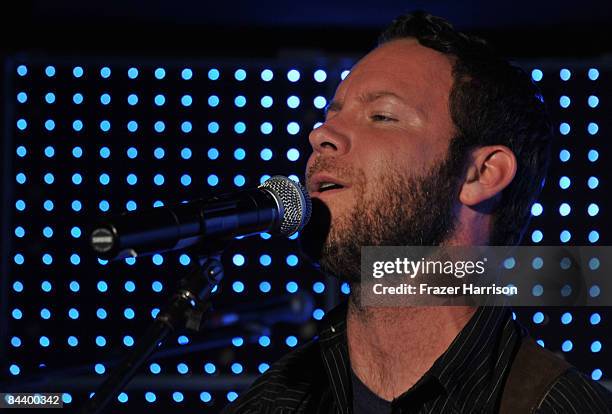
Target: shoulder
<point x="573" y="392"/>
<point x="285" y="384"/>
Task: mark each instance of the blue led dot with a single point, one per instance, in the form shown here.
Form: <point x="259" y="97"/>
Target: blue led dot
<point x="22" y="151"/>
<point x="231" y="396"/>
<point x="155" y="368"/>
<point x="265" y="260"/>
<point x="564" y="101"/>
<point x="102" y="286"/>
<point x="104" y="179"/>
<point x="593" y="236"/>
<point x="44" y="341"/>
<point x="593" y="101"/>
<point x="537" y="290"/>
<point x="22" y="124"/>
<point x="567" y="345"/>
<point x="266" y="101"/>
<point x="564" y="128"/>
<point x="237" y="341"/>
<point x="320" y="75"/>
<point x="293" y="128"/>
<point x="16" y="314"/>
<point x="596" y="346"/>
<point x="293" y="102"/>
<point x="266" y="128"/>
<point x="537" y="75"/>
<point x="76" y="205"/>
<point x="21" y="178"/>
<point x="213" y="101"/>
<point x="77" y="152"/>
<point x="105" y="72"/>
<point x="48" y="232"/>
<point x="239" y="127"/>
<point x="77" y="125"/>
<point x="565" y="236"/>
<point x="122" y="397"/>
<point x="45" y="313"/>
<point x="291" y="287"/>
<point x="596" y="374"/>
<point x="564" y="209"/>
<point x="240" y="101"/>
<point x="210" y="368"/>
<point x="73" y="313"/>
<point x="20" y="205"/>
<point x="77" y="179"/>
<point x="22" y="70"/>
<point x="263" y="367"/>
<point x="132" y="73"/>
<point x="593" y="74"/>
<point x="264" y="341"/>
<point x="212" y="180"/>
<point x="73" y="341"/>
<point x="293" y="154"/>
<point x="50" y="97"/>
<point x="182" y="340"/>
<point x="14" y="369"/>
<point x="566" y="318"/>
<point x="157" y="259"/>
<point x="158" y="179"/>
<point x="15" y="341"/>
<point x="186" y="127"/>
<point x="538" y="317"/>
<point x="128" y="313"/>
<point x="564" y="155"/>
<point x="593" y="209"/>
<point x="238" y="286"/>
<point x="239" y="180"/>
<point x="150" y="396"/>
<point x="99" y="368"/>
<point x="19" y="231"/>
<point x="101" y="313"/>
<point x="50" y="71"/>
<point x="319" y="102"/>
<point x="132" y="179"/>
<point x="264" y="178"/>
<point x="159" y="100"/>
<point x="213" y="154"/>
<point x="293" y="75"/>
<point x="536" y="209"/>
<point x="186" y="74"/>
<point x="132" y="99"/>
<point x="77" y="71"/>
<point x="292" y="260"/>
<point x="213" y="127"/>
<point x="266" y="154"/>
<point x="22" y="97"/>
<point x="213" y="74"/>
<point x="49" y="125"/>
<point x="184" y="259"/>
<point x="565" y="74"/>
<point x="267" y="75"/>
<point x="159" y="126"/>
<point x="593" y="155"/>
<point x="47" y="259"/>
<point x="205" y="396"/>
<point x="345" y="288"/>
<point x="77" y="98"/>
<point x="237" y="368"/>
<point x="291" y="341"/>
<point x="595" y="319"/>
<point x="318" y="314"/>
<point x="128" y="340"/>
<point x="265" y="287"/>
<point x="592" y="128"/>
<point x="240" y="75"/>
<point x="160" y="73"/>
<point x="18" y="286"/>
<point x="157" y="286"/>
<point x="132" y="126"/>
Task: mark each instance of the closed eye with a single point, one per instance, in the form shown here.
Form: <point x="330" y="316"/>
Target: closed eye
<point x="382" y="118"/>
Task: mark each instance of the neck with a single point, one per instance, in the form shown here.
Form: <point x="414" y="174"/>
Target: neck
<point x="391" y="348"/>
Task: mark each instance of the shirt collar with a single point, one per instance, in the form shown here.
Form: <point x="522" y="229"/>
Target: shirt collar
<point x="484" y="340"/>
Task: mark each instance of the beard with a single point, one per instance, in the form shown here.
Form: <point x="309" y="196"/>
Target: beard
<point x="398" y="210"/>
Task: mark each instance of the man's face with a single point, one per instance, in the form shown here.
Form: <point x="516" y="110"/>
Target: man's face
<point x="385" y="142"/>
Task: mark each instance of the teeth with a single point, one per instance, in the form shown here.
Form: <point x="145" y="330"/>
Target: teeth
<point x="326" y="186"/>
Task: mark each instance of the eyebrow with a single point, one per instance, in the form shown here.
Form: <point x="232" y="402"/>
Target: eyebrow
<point x="369" y="97"/>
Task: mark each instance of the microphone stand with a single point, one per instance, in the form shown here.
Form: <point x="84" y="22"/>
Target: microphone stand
<point x="185" y="309"/>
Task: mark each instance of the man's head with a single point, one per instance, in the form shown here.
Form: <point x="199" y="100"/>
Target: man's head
<point x="434" y="140"/>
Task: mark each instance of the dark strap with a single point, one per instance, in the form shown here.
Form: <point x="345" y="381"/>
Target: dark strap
<point x="531" y="375"/>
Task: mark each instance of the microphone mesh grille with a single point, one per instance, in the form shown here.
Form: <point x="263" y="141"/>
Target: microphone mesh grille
<point x="294" y="201"/>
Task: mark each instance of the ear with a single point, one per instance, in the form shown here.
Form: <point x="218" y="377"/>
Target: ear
<point x="490" y="170"/>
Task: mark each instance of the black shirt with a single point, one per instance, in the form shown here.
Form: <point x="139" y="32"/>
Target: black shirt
<point x="467" y="378"/>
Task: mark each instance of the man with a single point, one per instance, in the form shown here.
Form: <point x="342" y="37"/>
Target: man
<point x="430" y="140"/>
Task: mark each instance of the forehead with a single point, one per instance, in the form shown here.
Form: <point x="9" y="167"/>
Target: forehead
<point x="417" y="73"/>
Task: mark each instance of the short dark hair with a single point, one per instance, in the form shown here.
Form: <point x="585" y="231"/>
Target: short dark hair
<point x="491" y="103"/>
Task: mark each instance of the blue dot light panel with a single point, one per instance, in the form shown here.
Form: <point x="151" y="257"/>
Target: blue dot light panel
<point x="91" y="138"/>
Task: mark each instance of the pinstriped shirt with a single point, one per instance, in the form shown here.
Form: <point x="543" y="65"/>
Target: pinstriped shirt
<point x="467" y="378"/>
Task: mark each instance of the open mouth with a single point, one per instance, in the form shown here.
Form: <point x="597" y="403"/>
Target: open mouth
<point x="325" y="186"/>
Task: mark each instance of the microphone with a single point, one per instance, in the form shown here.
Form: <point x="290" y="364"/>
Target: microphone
<point x="279" y="206"/>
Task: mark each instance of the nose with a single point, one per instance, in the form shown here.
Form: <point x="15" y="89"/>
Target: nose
<point x="327" y="139"/>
